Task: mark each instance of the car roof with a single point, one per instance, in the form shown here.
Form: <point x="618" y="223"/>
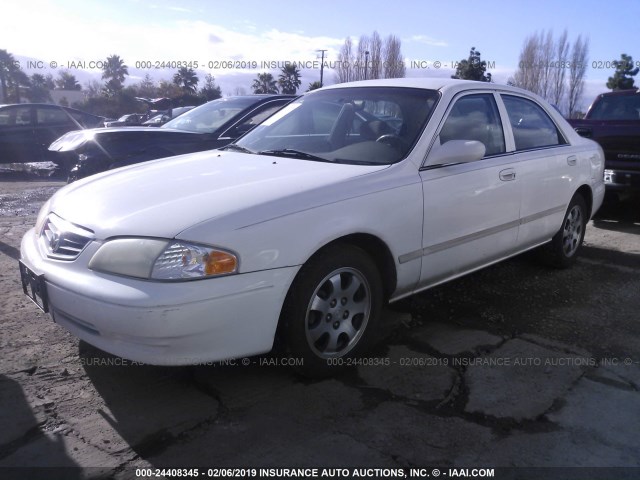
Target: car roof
<point x="431" y="83"/>
<point x="615" y="93"/>
<point x="248" y="101"/>
<point x="27" y="104"/>
<point x="265" y="95"/>
<point x="48" y="105"/>
<point x="255" y="97"/>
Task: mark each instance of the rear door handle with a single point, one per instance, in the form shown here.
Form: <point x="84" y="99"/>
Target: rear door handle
<point x="572" y="160"/>
<point x="507" y="175"/>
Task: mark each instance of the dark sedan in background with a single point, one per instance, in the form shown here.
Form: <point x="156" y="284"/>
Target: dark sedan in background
<point x="27" y="129"/>
<point x="128" y="120"/>
<point x="164" y="117"/>
<point x="206" y="127"/>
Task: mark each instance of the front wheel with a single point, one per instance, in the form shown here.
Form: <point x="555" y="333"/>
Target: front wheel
<point x="562" y="250"/>
<point x="332" y="309"/>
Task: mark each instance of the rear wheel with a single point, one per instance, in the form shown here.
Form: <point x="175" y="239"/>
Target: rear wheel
<point x="563" y="249"/>
<point x="332" y="309"/>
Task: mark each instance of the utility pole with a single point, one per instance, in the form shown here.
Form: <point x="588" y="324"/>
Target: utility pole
<point x="321" y="66"/>
<point x="366" y="63"/>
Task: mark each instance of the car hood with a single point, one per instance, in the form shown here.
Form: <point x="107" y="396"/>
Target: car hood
<point x="165" y="197"/>
<point x="73" y="140"/>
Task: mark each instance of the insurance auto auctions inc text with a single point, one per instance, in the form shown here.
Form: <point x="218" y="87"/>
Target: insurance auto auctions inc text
<point x="375" y="472"/>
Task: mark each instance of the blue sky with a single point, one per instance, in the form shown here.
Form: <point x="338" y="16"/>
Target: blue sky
<point x="158" y="30"/>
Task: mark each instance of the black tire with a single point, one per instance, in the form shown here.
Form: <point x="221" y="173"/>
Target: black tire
<point x="332" y="310"/>
<point x="564" y="247"/>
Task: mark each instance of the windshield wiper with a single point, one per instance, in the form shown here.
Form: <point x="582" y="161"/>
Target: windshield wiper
<point x="237" y="148"/>
<point x="290" y="152"/>
<point x="357" y="162"/>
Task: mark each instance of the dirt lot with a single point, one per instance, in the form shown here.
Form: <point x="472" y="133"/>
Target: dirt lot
<point x="516" y="366"/>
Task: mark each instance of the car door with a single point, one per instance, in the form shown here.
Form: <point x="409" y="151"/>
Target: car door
<point x="17" y="135"/>
<point x="471" y="210"/>
<point x="546" y="168"/>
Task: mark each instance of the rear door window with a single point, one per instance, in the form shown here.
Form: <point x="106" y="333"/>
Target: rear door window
<point x="531" y="125"/>
<point x="52" y="116"/>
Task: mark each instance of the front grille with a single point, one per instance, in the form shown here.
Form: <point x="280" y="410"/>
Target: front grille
<point x="63" y="240"/>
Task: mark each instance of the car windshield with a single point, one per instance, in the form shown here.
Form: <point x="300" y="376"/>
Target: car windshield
<point x="617" y="107"/>
<point x="212" y="115"/>
<point x="359" y="125"/>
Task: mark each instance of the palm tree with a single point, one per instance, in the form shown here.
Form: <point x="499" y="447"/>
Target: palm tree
<point x="265" y="83"/>
<point x="6" y="63"/>
<point x="186" y="79"/>
<point x="67" y="81"/>
<point x="11" y="76"/>
<point x="113" y="71"/>
<point x="314" y="85"/>
<point x="289" y="79"/>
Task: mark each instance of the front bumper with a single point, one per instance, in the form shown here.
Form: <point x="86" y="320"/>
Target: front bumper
<point x="620" y="180"/>
<point x="162" y="323"/>
<point x="85" y="166"/>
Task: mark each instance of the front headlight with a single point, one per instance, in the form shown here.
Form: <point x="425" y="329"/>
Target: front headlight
<point x="156" y="259"/>
<point x="181" y="260"/>
<point x="42" y="216"/>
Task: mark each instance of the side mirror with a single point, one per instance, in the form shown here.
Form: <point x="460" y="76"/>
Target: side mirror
<point x="237" y="131"/>
<point x="456" y="151"/>
<point x="242" y="129"/>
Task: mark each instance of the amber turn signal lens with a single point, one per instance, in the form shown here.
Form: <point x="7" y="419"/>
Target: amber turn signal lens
<point x="218" y="263"/>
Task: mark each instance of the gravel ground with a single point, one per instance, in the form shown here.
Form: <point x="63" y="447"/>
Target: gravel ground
<point x="513" y="366"/>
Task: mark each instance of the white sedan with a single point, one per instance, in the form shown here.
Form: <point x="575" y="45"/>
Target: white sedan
<point x="352" y="196"/>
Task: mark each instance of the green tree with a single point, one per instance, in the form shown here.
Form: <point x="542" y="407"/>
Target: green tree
<point x="11" y="78"/>
<point x="66" y="81"/>
<point x="264" y="83"/>
<point x="93" y="88"/>
<point x="289" y="79"/>
<point x="186" y="79"/>
<point x="623" y="77"/>
<point x="7" y="66"/>
<point x="39" y="88"/>
<point x="147" y="87"/>
<point x="20" y="80"/>
<point x="210" y="91"/>
<point x="114" y="72"/>
<point x="314" y="85"/>
<point x="472" y="68"/>
<point x="168" y="89"/>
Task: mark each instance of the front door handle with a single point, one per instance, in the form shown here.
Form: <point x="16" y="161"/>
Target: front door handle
<point x="572" y="160"/>
<point x="508" y="175"/>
